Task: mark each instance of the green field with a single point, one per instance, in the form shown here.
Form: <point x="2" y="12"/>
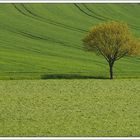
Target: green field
<point x="43" y="41"/>
<point x="40" y="41"/>
<point x="70" y="108"/>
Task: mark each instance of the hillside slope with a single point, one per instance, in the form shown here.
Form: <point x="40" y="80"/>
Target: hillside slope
<point x="45" y="39"/>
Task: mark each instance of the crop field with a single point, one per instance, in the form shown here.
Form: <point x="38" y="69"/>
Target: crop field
<point x="70" y="107"/>
<point x="40" y="41"/>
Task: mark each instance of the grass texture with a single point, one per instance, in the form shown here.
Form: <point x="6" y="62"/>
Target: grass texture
<point x="70" y="108"/>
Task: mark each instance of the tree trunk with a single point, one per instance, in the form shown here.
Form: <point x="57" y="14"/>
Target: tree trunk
<point x="111" y="70"/>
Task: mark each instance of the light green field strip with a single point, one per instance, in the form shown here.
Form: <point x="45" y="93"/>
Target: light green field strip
<point x="70" y="108"/>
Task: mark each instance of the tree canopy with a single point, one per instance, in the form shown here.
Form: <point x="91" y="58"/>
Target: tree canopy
<point x="113" y="40"/>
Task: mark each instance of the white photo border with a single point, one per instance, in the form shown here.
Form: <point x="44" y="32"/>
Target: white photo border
<point x="69" y="1"/>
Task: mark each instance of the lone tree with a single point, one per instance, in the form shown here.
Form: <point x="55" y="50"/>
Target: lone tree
<point x="112" y="40"/>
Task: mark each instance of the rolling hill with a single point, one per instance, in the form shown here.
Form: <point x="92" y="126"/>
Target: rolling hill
<point x="44" y="40"/>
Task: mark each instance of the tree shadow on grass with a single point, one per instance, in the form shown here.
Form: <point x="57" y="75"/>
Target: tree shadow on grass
<point x="71" y="76"/>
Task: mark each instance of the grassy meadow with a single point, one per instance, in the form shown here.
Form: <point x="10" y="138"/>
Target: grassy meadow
<point x="70" y="108"/>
